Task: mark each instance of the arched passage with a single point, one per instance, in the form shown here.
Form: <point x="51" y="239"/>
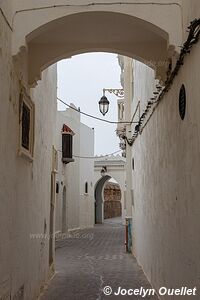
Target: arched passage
<point x="136" y="36"/>
<point x="96" y="31"/>
<point x="99" y="198"/>
<point x="115" y="166"/>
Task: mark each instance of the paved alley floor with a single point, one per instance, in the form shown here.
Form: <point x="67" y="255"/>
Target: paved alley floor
<point x="91" y="259"/>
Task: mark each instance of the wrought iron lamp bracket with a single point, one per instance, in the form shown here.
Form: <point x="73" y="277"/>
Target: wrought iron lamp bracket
<point x="117" y="92"/>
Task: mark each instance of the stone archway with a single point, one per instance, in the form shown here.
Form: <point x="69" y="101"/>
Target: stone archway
<point x="85" y="32"/>
<point x="58" y="31"/>
<point x="115" y="168"/>
<point x="99" y="198"/>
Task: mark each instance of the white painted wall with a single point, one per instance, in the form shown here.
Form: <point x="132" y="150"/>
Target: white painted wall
<point x="86" y="175"/>
<point x="68" y="173"/>
<point x="166" y="187"/>
<point x="24" y="185"/>
<point x="80" y="206"/>
<point x="166" y="179"/>
<point x="143" y="85"/>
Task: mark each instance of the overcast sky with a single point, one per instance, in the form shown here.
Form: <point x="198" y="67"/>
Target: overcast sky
<point x="81" y="80"/>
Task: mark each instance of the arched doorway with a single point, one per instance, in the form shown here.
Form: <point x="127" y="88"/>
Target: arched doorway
<point x="115" y="207"/>
<point x="98" y="194"/>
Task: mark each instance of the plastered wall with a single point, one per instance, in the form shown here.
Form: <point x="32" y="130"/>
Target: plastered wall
<point x="166" y="187"/>
<point x="86" y="175"/>
<point x="24" y="185"/>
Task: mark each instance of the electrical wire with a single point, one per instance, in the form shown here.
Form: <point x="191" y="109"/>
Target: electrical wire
<point x="93" y="4"/>
<point x="192" y="39"/>
<point x="93" y="117"/>
<point x="5" y="18"/>
<point x="94" y="157"/>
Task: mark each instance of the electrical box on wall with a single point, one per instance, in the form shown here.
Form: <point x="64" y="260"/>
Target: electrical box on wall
<point x="67" y="144"/>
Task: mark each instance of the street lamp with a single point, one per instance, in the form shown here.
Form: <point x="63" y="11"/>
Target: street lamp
<point x="104" y="103"/>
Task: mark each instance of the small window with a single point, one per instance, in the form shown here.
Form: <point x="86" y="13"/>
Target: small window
<point x="67" y="144"/>
<point x="57" y="187"/>
<point x="26" y="121"/>
<point x="133" y="163"/>
<point x="86" y="188"/>
<point x="26" y="118"/>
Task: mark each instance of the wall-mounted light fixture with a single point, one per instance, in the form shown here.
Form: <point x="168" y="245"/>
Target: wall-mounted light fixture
<point x="104" y="103"/>
<point x="103" y="170"/>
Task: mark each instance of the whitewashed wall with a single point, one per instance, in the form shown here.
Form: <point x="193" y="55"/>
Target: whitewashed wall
<point x="166" y="187"/>
<point x="24" y="185"/>
<point x="166" y="176"/>
<point x="143" y="85"/>
<point x="86" y="175"/>
<point x="68" y="173"/>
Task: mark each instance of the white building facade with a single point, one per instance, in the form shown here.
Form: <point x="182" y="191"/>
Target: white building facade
<point x="75" y="180"/>
<point x="26" y="253"/>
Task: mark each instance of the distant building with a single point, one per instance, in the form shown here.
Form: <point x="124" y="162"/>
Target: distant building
<point x="74" y="180"/>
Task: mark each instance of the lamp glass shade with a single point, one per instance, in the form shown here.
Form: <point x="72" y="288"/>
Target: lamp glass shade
<point x="104" y="105"/>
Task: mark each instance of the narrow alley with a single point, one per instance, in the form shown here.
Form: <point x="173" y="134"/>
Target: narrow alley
<point x="91" y="259"/>
<point x="99" y="118"/>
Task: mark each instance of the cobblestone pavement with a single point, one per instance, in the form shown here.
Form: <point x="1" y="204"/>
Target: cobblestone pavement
<point x="91" y="260"/>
